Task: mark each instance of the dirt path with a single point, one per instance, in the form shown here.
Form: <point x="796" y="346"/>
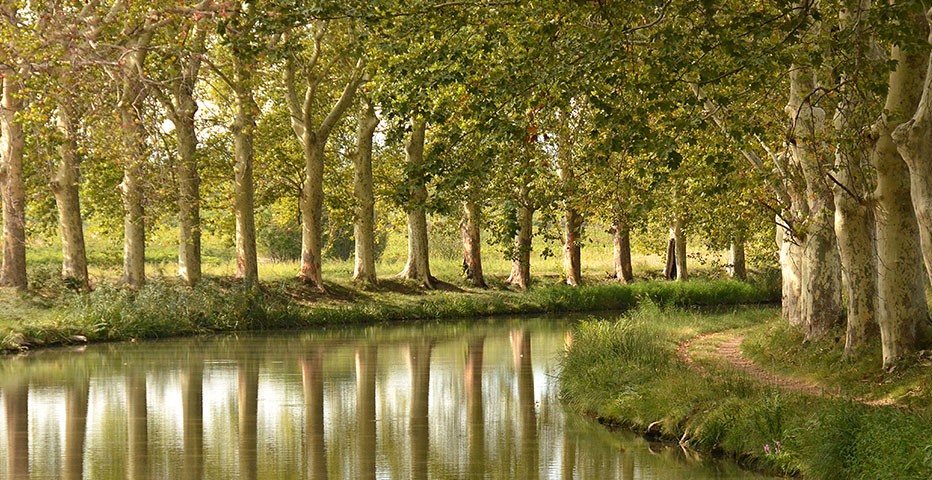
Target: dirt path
<point x="725" y="347"/>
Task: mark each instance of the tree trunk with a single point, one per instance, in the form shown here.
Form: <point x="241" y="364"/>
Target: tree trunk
<point x="312" y="203"/>
<point x="12" y="188"/>
<point x="791" y="267"/>
<point x="621" y="242"/>
<point x="572" y="262"/>
<point x="737" y="266"/>
<point x="64" y="187"/>
<point x="854" y="230"/>
<point x="521" y="264"/>
<point x="821" y="276"/>
<point x="364" y="227"/>
<point x="669" y="268"/>
<point x="680" y="244"/>
<point x="572" y="226"/>
<point x="914" y="142"/>
<point x="313" y="140"/>
<point x="134" y="158"/>
<point x="189" y="210"/>
<point x="418" y="265"/>
<point x="244" y="125"/>
<point x="472" y="245"/>
<point x="901" y="306"/>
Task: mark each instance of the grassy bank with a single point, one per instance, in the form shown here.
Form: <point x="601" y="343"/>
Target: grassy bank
<point x="627" y="372"/>
<point x="164" y="308"/>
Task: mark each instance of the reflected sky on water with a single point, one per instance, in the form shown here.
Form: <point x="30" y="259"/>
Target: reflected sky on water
<point x="440" y="401"/>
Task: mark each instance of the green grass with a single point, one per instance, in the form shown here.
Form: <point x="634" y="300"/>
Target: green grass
<point x="626" y="372"/>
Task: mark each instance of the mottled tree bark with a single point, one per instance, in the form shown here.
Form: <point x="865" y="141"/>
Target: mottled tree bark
<point x="901" y="306"/>
<point x="472" y="245"/>
<point x="791" y="266"/>
<point x="244" y="124"/>
<point x="418" y="265"/>
<point x="131" y="107"/>
<point x="189" y="208"/>
<point x="854" y="220"/>
<point x="820" y="305"/>
<point x="12" y="188"/>
<point x="364" y="227"/>
<point x="914" y="142"/>
<point x="64" y="186"/>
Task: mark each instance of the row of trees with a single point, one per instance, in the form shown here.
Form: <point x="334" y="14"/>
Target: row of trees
<point x="571" y="113"/>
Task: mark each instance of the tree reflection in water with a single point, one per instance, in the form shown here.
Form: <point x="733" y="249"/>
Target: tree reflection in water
<point x="432" y="401"/>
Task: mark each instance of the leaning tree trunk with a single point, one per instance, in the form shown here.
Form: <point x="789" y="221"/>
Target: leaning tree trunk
<point x="64" y="187"/>
<point x="821" y="307"/>
<point x="736" y="263"/>
<point x="621" y="251"/>
<point x="364" y="227"/>
<point x="418" y="265"/>
<point x="521" y="263"/>
<point x="914" y="141"/>
<point x="134" y="158"/>
<point x="901" y="306"/>
<point x="12" y="188"/>
<point x="244" y="125"/>
<point x="472" y="245"/>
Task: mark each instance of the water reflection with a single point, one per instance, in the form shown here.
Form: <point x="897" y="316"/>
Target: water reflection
<point x="313" y="380"/>
<point x="137" y="416"/>
<point x="438" y="401"/>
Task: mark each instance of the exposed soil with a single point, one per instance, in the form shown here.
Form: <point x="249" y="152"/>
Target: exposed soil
<point x="725" y="347"/>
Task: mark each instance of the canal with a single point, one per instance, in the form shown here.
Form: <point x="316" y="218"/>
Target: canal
<point x="476" y="399"/>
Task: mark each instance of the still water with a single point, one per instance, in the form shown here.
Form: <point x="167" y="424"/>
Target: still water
<point x="442" y="401"/>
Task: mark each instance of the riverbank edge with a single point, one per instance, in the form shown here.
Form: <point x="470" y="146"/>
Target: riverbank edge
<point x="724" y="414"/>
<point x="164" y="309"/>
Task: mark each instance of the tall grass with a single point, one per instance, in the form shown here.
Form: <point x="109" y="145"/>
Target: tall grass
<point x="625" y="372"/>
